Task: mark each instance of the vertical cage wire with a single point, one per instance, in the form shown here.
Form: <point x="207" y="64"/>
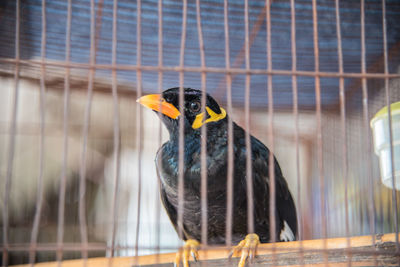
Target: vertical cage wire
<point x="342" y="99"/>
<point x="85" y="133"/>
<point x="271" y="165"/>
<point x="296" y="127"/>
<point x="181" y="193"/>
<point x="271" y="159"/>
<point x="12" y="137"/>
<point x="63" y="176"/>
<point x="203" y="168"/>
<point x="139" y="121"/>
<point x="249" y="174"/>
<point x="365" y="105"/>
<point x="116" y="130"/>
<point x="319" y="127"/>
<point x="229" y="184"/>
<point x="387" y="96"/>
<point x="160" y="131"/>
<point x="40" y="190"/>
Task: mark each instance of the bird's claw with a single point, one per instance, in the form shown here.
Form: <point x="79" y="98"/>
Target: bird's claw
<point x="247" y="247"/>
<point x="190" y="248"/>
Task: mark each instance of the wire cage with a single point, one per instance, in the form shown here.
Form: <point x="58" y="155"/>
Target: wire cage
<point x="305" y="77"/>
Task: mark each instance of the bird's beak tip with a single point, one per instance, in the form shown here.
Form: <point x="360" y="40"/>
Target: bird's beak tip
<point x="155" y="103"/>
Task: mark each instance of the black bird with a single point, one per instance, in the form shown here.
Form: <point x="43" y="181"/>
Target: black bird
<point x="216" y="119"/>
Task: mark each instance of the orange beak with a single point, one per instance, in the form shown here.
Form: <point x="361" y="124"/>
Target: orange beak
<point x="157" y="103"/>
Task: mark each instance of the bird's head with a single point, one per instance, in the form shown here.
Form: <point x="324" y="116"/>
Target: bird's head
<point x="167" y="106"/>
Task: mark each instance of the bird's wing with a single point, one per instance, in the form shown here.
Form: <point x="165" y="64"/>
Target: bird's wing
<point x="169" y="208"/>
<point x="285" y="208"/>
<point x="171" y="211"/>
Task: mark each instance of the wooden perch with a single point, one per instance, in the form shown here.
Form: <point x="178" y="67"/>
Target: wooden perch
<point x="328" y="252"/>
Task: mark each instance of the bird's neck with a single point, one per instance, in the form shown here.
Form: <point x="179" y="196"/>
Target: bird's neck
<point x="191" y="143"/>
<point x="215" y="137"/>
<point x="189" y="135"/>
<point x="216" y="144"/>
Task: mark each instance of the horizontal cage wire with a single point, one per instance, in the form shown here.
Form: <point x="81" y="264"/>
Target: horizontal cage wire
<point x="277" y="142"/>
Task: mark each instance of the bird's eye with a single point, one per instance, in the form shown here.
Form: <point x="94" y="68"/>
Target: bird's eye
<point x="167" y="98"/>
<point x="195" y="106"/>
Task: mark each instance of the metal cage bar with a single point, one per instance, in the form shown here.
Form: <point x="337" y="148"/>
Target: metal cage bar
<point x="203" y="168"/>
<point x="63" y="176"/>
<point x="116" y="130"/>
<point x="365" y="101"/>
<point x="229" y="200"/>
<point x="40" y="190"/>
<point x="249" y="174"/>
<point x="181" y="193"/>
<point x="160" y="89"/>
<point x="139" y="122"/>
<point x="12" y="137"/>
<point x="343" y="127"/>
<point x="296" y="126"/>
<point x="85" y="133"/>
<point x="319" y="126"/>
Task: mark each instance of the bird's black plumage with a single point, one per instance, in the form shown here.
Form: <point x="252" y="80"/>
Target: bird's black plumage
<point x="217" y="166"/>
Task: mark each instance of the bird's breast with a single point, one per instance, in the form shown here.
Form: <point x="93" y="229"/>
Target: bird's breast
<point x="167" y="162"/>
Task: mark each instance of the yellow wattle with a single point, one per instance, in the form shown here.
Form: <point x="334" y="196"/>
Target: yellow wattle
<point x="199" y="121"/>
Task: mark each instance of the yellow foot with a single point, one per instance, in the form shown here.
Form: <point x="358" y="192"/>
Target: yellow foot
<point x="191" y="246"/>
<point x="248" y="247"/>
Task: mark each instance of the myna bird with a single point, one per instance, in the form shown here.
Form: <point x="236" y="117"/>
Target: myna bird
<point x="216" y="120"/>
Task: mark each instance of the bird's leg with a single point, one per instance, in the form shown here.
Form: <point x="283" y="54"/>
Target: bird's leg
<point x="247" y="247"/>
<point x="190" y="248"/>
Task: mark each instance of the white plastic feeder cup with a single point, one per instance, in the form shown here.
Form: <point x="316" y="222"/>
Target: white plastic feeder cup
<point x="380" y="130"/>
